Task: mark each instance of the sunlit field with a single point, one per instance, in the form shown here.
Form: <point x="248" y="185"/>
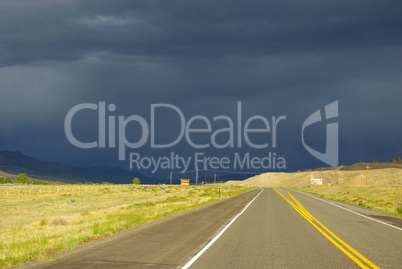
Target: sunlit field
<point x="38" y="221"/>
<point x="387" y="199"/>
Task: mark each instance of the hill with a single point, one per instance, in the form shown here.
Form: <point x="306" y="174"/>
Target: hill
<point x="15" y="162"/>
<point x="387" y="173"/>
<point x="385" y="176"/>
<point x="394" y="163"/>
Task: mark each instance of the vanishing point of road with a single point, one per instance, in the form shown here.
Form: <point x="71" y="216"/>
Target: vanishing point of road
<point x="264" y="228"/>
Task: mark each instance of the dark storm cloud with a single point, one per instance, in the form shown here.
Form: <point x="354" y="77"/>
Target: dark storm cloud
<point x="69" y="30"/>
<point x="277" y="57"/>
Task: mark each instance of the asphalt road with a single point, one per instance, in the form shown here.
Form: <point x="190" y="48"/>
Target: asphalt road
<point x="272" y="232"/>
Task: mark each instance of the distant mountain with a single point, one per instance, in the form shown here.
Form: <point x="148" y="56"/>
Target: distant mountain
<point x="15" y="162"/>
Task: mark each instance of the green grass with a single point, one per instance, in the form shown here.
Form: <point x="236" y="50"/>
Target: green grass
<point x="38" y="227"/>
<point x="386" y="199"/>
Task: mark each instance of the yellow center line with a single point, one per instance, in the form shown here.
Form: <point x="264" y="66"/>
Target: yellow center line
<point x="335" y="236"/>
<point x="338" y="242"/>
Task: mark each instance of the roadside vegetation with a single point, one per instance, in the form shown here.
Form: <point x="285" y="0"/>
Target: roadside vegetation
<point x="22" y="179"/>
<point x="387" y="199"/>
<point x="35" y="225"/>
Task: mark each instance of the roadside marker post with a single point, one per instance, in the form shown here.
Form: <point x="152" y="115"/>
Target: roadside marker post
<point x="367" y="167"/>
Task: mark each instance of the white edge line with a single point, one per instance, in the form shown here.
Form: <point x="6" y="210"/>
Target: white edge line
<point x="390" y="225"/>
<point x="218" y="235"/>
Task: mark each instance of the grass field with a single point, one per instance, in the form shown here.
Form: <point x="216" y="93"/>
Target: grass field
<point x="387" y="199"/>
<point x="40" y="221"/>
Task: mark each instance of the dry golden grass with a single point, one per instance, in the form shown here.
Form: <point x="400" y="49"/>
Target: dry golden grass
<point x="386" y="199"/>
<point x="38" y="225"/>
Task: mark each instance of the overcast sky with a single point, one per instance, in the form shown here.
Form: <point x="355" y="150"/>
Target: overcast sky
<point x="277" y="58"/>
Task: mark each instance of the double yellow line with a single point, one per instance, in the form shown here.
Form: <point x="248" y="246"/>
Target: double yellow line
<point x="358" y="258"/>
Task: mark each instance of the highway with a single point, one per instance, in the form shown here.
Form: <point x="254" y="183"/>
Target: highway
<point x="264" y="228"/>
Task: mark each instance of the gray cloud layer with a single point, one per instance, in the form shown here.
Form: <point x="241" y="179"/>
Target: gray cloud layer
<point x="277" y="57"/>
